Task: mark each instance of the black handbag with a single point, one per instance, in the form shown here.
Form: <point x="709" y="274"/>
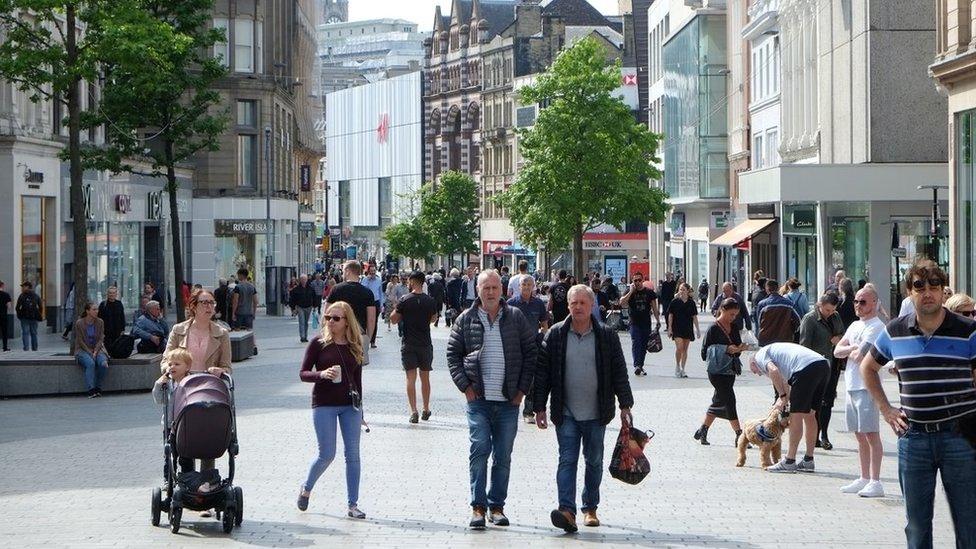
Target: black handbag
<point x="654" y="344"/>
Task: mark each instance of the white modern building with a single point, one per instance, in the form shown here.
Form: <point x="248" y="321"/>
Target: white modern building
<point x="860" y="128"/>
<point x="375" y="160"/>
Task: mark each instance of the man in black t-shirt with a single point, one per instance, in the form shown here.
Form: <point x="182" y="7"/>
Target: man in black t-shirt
<point x="558" y="298"/>
<point x="641" y="302"/>
<point x="5" y="300"/>
<point x="416" y="311"/>
<point x="360" y="298"/>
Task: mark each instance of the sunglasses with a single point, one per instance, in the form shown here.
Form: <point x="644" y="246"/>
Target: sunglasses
<point x="967" y="313"/>
<point x="206" y="302"/>
<point x="860" y="302"/>
<point x="333" y="318"/>
<point x="934" y="282"/>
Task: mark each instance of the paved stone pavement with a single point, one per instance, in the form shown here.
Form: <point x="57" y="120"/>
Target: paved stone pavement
<point x="78" y="472"/>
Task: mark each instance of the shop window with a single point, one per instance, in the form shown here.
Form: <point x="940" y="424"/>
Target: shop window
<point x="849" y="246"/>
<point x="965" y="199"/>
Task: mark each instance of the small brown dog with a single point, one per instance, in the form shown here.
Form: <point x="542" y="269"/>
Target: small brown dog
<point x="767" y="435"/>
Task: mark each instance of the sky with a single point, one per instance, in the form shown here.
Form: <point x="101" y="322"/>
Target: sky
<point x="422" y="11"/>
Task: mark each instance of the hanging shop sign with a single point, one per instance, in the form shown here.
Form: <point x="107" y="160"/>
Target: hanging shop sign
<point x="305" y="174"/>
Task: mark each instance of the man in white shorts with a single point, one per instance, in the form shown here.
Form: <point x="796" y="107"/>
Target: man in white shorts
<point x="862" y="414"/>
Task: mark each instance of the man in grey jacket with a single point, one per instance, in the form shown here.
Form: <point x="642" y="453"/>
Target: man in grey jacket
<point x="491" y="354"/>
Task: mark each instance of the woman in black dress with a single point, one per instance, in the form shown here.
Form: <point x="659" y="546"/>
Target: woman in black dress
<point x="723" y="400"/>
<point x="682" y="326"/>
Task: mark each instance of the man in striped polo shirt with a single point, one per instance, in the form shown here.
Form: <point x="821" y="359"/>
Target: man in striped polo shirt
<point x="935" y="353"/>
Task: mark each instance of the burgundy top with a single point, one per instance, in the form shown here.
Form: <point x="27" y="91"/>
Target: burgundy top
<point x="319" y="357"/>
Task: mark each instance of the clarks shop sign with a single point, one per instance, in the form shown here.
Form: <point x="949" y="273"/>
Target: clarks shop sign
<point x="233" y="227"/>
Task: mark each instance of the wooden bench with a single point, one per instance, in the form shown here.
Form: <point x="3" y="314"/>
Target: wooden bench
<point x="242" y="345"/>
<point x="24" y="373"/>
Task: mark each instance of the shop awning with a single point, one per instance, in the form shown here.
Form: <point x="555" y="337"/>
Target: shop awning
<point x="742" y="231"/>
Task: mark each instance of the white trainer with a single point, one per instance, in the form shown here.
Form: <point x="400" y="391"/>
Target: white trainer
<point x="855" y="486"/>
<point x="874" y="489"/>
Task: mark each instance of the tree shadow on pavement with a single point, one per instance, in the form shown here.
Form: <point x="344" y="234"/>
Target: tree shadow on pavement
<point x="263" y="533"/>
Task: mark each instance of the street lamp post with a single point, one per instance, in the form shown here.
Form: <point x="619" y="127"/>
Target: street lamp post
<point x="269" y="282"/>
<point x="934" y="226"/>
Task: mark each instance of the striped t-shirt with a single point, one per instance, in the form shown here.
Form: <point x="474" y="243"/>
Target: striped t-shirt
<point x="935" y="373"/>
<point x="492" y="357"/>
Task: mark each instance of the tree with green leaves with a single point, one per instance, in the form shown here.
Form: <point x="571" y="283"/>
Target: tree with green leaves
<point x="409" y="239"/>
<point x="159" y="81"/>
<point x="449" y="212"/>
<point x="587" y="159"/>
<point x="49" y="49"/>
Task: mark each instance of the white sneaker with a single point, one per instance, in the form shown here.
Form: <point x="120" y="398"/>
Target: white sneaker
<point x="782" y="467"/>
<point x="855" y="486"/>
<point x="874" y="489"/>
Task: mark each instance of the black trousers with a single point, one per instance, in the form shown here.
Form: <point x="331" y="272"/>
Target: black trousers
<point x="4" y="333"/>
<point x="379" y="307"/>
<point x="830" y="395"/>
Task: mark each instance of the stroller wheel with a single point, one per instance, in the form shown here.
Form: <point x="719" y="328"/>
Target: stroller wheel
<point x="239" y="515"/>
<point x="175" y="514"/>
<point x="228" y="519"/>
<point x="157" y="505"/>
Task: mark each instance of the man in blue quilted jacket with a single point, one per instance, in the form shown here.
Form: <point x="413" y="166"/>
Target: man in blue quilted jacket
<point x="491" y="354"/>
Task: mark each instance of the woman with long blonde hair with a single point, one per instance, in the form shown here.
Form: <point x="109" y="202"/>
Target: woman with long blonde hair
<point x="333" y="362"/>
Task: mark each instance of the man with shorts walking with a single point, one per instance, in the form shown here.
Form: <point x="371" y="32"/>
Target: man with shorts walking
<point x="800" y="377"/>
<point x="416" y="311"/>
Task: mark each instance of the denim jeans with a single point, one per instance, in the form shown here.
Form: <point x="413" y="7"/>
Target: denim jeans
<point x="303" y="314"/>
<point x="571" y="434"/>
<point x="28" y="333"/>
<point x="349" y="420"/>
<point x="492" y="426"/>
<point x="638" y="343"/>
<point x="920" y="456"/>
<point x="95" y="368"/>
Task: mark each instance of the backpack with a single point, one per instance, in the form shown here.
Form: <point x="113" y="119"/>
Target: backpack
<point x="122" y="347"/>
<point x="31" y="308"/>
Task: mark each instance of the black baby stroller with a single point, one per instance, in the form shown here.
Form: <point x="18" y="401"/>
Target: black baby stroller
<point x="199" y="422"/>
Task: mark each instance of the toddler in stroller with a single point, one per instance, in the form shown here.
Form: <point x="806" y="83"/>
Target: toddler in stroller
<point x="199" y="422"/>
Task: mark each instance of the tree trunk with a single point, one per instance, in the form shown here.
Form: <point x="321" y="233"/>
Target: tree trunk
<point x="79" y="224"/>
<point x="174" y="216"/>
<point x="578" y="252"/>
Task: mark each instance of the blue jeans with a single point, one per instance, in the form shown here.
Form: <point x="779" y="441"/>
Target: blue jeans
<point x="571" y="434"/>
<point x="95" y="368"/>
<point x="349" y="420"/>
<point x="303" y="313"/>
<point x="28" y="333"/>
<point x="492" y="426"/>
<point x="638" y="343"/>
<point x="920" y="456"/>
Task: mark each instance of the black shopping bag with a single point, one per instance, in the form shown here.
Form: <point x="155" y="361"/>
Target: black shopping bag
<point x="654" y="344"/>
<point x="629" y="463"/>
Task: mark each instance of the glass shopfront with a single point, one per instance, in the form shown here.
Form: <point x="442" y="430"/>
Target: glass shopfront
<point x="241" y="245"/>
<point x="964" y="216"/>
<point x="32" y="242"/>
<point x="115" y="259"/>
<point x="799" y="237"/>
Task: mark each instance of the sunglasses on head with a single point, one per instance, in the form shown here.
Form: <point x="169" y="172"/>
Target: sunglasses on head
<point x="332" y="318"/>
<point x="934" y="282"/>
